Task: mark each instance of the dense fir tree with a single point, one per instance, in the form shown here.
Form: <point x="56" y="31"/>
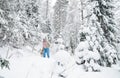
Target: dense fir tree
<point x="99" y="32"/>
<point x="24" y="20"/>
<point x="59" y="19"/>
<point x="105" y="16"/>
<point x="5" y="23"/>
<point x="117" y="20"/>
<point x="71" y="28"/>
<point x="4" y="63"/>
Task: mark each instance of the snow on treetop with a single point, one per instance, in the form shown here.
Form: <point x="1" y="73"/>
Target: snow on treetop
<point x="60" y="40"/>
<point x="3" y="21"/>
<point x="61" y="47"/>
<point x="63" y="57"/>
<point x="84" y="30"/>
<point x="89" y="55"/>
<point x="82" y="46"/>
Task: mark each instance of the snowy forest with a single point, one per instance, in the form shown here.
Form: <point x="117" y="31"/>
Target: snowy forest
<point x="84" y="37"/>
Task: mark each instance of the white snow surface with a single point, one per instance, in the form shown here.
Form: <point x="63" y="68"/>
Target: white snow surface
<point x="29" y="67"/>
<point x="32" y="65"/>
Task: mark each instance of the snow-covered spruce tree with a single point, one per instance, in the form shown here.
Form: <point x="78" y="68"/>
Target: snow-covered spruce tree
<point x="103" y="11"/>
<point x="99" y="36"/>
<point x="30" y="20"/>
<point x="71" y="28"/>
<point x="117" y="12"/>
<point x="59" y="18"/>
<point x="57" y="44"/>
<point x="5" y="23"/>
<point x="2" y="27"/>
<point x="105" y="16"/>
<point x="86" y="52"/>
<point x="117" y="20"/>
<point x="26" y="20"/>
<point x="9" y="26"/>
<point x="4" y="31"/>
<point x="4" y="63"/>
<point x="35" y="17"/>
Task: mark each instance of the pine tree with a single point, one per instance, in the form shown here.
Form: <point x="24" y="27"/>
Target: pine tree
<point x="117" y="20"/>
<point x="5" y="23"/>
<point x="4" y="63"/>
<point x="98" y="31"/>
<point x="71" y="28"/>
<point x="59" y="18"/>
<point x="103" y="12"/>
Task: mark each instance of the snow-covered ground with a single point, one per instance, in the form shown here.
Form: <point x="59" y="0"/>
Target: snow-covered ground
<point x="32" y="65"/>
<point x="28" y="67"/>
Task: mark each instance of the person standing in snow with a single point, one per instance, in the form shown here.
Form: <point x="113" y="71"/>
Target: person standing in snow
<point x="46" y="46"/>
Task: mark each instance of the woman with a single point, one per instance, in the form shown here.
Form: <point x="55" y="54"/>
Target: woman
<point x="46" y="46"/>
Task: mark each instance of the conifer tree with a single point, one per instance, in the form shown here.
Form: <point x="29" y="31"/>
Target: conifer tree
<point x="59" y="19"/>
<point x="99" y="32"/>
